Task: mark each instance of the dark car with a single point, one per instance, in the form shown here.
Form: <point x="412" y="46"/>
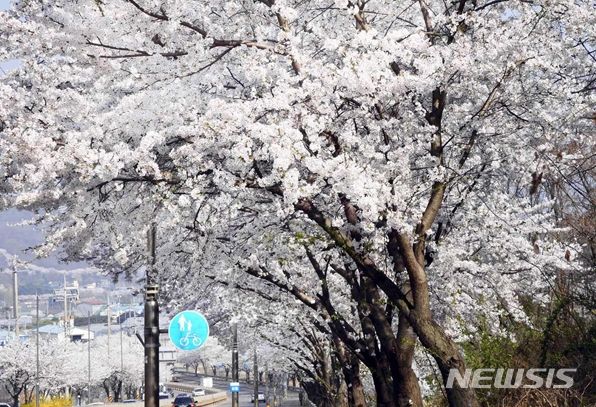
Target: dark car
<point x="183" y="401"/>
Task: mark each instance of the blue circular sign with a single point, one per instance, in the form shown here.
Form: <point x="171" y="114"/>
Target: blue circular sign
<point x="188" y="330"/>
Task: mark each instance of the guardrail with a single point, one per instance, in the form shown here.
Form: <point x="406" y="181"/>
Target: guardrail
<point x="181" y="386"/>
<point x="211" y="399"/>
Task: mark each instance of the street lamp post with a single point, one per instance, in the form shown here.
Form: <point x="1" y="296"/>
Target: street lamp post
<point x="235" y="399"/>
<point x="36" y="350"/>
<point x="15" y="300"/>
<point x="89" y="357"/>
<point x="255" y="373"/>
<point x="151" y="328"/>
<point x="121" y="350"/>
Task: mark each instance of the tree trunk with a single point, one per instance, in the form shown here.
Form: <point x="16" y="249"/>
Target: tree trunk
<point x="406" y="378"/>
<point x="118" y="391"/>
<point x="356" y="396"/>
<point x="350" y="366"/>
<point x="106" y="388"/>
<point x="447" y="355"/>
<point x="406" y="391"/>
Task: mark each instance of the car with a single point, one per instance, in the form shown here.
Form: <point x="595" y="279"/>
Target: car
<point x="183" y="401"/>
<point x="198" y="392"/>
<point x="164" y="395"/>
<point x="260" y="396"/>
<point x="176" y="378"/>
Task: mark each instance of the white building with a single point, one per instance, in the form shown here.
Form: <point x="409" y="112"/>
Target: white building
<point x="56" y="331"/>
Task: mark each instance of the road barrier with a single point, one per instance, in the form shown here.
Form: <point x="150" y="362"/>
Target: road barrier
<point x="211" y="399"/>
<point x="181" y="387"/>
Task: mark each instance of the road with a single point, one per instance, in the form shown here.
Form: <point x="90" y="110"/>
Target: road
<point x="246" y="391"/>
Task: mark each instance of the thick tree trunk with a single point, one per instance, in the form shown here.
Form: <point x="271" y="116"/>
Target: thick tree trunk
<point x="379" y="366"/>
<point x="106" y="388"/>
<point x="447" y="355"/>
<point x="406" y="391"/>
<point x="355" y="387"/>
<point x="118" y="391"/>
<point x="350" y="366"/>
<point x="406" y="378"/>
<point x="382" y="390"/>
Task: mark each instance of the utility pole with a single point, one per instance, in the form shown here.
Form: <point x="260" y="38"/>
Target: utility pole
<point x="121" y="351"/>
<point x="65" y="309"/>
<point x="36" y="350"/>
<point x="109" y="330"/>
<point x="255" y="373"/>
<point x="235" y="399"/>
<point x="267" y="381"/>
<point x="89" y="357"/>
<point x="151" y="327"/>
<point x="15" y="301"/>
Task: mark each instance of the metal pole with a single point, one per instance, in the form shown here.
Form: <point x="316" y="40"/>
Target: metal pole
<point x="267" y="381"/>
<point x="151" y="328"/>
<point x="89" y="357"/>
<point x="121" y="351"/>
<point x="109" y="331"/>
<point x="255" y="372"/>
<point x="36" y="350"/>
<point x="235" y="399"/>
<point x="65" y="309"/>
<point x="15" y="300"/>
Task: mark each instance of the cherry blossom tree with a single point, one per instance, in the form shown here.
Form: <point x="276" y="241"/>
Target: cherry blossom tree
<point x="372" y="161"/>
<point x="210" y="353"/>
<point x="17" y="369"/>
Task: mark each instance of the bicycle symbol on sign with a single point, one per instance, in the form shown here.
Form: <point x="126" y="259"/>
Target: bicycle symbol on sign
<point x="190" y="337"/>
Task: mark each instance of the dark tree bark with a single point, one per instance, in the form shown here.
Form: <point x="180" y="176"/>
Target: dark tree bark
<point x="350" y="366"/>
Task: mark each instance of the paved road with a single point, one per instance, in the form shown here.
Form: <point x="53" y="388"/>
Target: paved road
<point x="246" y="391"/>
